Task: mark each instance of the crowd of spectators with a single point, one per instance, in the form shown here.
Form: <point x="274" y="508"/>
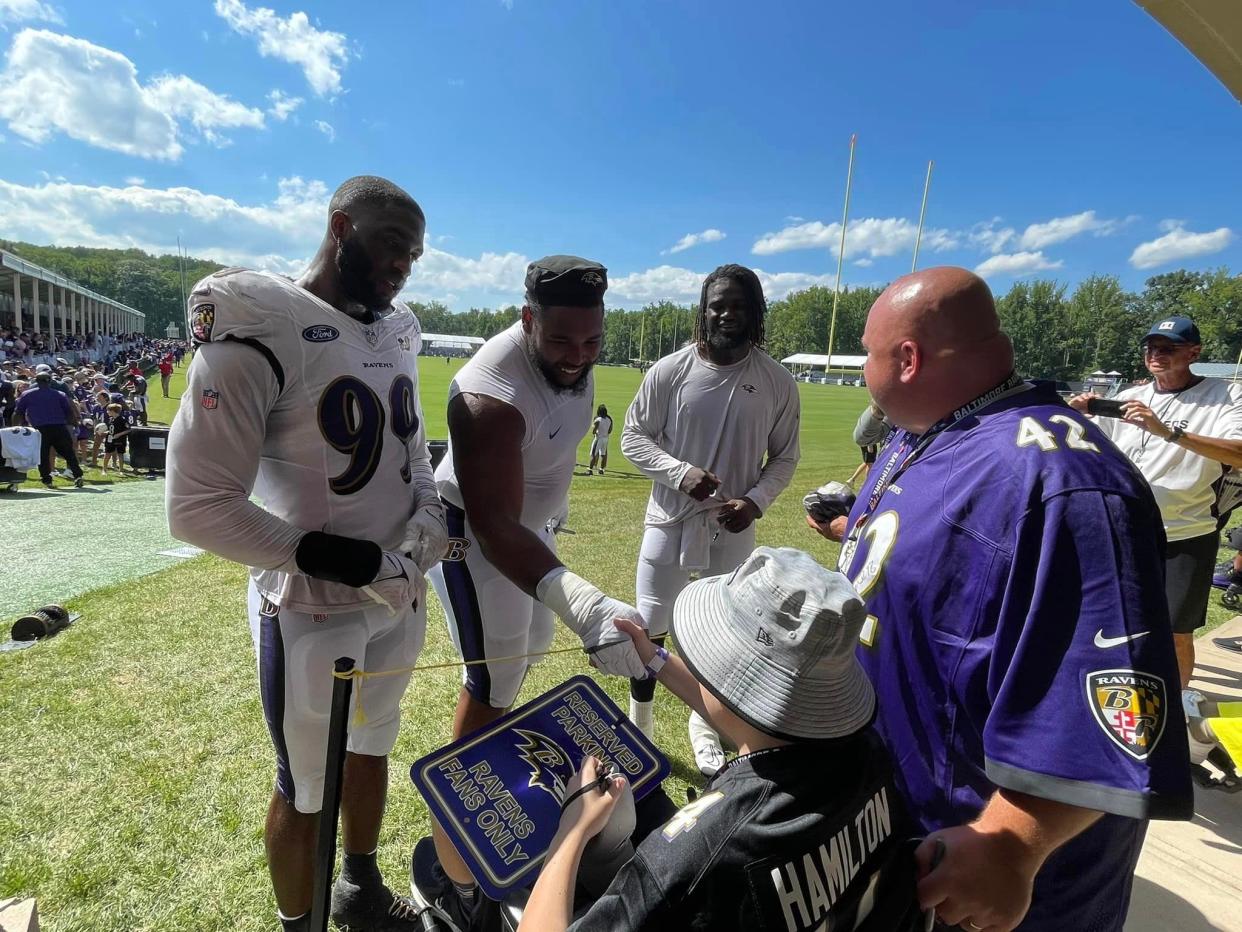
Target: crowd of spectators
<point x="105" y="396"/>
<point x="105" y="350"/>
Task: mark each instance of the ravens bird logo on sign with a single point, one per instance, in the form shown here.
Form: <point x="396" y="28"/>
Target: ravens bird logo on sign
<point x="1130" y="706"/>
<point x="550" y="766"/>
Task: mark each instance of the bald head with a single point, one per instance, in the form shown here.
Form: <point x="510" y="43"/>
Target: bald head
<point x="934" y="342"/>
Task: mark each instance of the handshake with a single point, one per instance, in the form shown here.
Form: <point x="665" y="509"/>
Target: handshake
<point x="589" y="614"/>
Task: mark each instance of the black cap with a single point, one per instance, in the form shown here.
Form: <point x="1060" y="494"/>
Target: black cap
<point x="1177" y="329"/>
<point x="568" y="281"/>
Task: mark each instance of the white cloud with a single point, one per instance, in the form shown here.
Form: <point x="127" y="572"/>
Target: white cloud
<point x="16" y="11"/>
<point x="441" y="273"/>
<point x="207" y="111"/>
<point x="1016" y="264"/>
<point x="864" y="263"/>
<point x="694" y="239"/>
<point x="282" y="233"/>
<point x="870" y="236"/>
<point x="282" y="104"/>
<point x="271" y="235"/>
<point x="319" y="53"/>
<point x="988" y="236"/>
<point x="1179" y="243"/>
<point x="1059" y="229"/>
<point x="55" y="83"/>
<point x="135" y="181"/>
<point x="666" y="282"/>
<point x="326" y="128"/>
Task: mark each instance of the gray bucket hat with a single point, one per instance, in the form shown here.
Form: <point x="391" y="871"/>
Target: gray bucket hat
<point x="774" y="641"/>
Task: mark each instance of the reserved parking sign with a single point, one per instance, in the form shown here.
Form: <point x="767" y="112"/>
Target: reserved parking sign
<point x="498" y="792"/>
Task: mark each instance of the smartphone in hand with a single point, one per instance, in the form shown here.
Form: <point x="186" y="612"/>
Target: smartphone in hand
<point x="1105" y="407"/>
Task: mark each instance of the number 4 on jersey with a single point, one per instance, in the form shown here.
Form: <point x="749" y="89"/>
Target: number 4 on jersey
<point x="1031" y="433"/>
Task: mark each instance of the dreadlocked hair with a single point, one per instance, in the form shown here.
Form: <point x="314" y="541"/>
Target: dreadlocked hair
<point x="748" y="281"/>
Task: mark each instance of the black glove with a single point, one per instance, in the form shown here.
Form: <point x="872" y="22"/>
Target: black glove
<point x="833" y="500"/>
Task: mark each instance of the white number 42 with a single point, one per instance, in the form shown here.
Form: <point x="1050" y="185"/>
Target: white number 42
<point x="1032" y="433"/>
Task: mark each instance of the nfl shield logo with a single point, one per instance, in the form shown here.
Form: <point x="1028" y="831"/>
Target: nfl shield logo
<point x="1130" y="706"/>
<point x="371" y="335"/>
<point x="211" y="399"/>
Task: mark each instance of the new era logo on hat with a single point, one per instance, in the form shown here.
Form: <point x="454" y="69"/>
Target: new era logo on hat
<point x="774" y="641"/>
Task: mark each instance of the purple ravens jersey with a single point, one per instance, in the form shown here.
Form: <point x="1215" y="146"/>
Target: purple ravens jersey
<point x="1018" y="637"/>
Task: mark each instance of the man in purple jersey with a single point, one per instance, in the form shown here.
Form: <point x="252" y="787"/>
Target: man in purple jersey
<point x="1018" y="637"/>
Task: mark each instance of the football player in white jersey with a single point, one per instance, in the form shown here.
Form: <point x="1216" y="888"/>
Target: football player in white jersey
<point x="715" y="426"/>
<point x="517" y="412"/>
<point x="306" y="394"/>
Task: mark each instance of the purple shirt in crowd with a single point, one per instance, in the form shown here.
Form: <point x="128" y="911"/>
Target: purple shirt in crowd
<point x="1019" y="638"/>
<point x="43" y="406"/>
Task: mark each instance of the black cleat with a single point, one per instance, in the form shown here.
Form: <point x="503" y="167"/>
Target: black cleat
<point x="1232" y="597"/>
<point x="373" y="909"/>
<point x="431" y="887"/>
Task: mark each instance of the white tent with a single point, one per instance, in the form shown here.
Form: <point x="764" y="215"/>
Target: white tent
<point x="817" y="359"/>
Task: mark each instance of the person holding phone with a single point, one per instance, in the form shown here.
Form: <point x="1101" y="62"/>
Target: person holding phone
<point x="1183" y="432"/>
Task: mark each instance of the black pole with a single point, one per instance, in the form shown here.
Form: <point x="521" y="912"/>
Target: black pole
<point x="325" y="845"/>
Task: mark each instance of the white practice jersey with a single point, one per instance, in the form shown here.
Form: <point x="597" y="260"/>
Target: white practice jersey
<point x="739" y="422"/>
<point x="314" y="412"/>
<point x="603" y="427"/>
<point x="1185" y="484"/>
<point x="556" y="422"/>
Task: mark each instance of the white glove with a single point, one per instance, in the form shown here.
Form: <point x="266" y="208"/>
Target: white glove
<point x="426" y="536"/>
<point x="398" y="584"/>
<point x="589" y="614"/>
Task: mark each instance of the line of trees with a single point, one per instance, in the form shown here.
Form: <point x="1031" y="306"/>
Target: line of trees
<point x="1057" y="333"/>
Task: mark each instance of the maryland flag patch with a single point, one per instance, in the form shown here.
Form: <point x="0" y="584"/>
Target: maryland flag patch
<point x="202" y="320"/>
<point x="1131" y="707"/>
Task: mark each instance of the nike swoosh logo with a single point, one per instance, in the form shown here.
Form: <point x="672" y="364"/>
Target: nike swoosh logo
<point x="1101" y="641"/>
<point x="555" y="432"/>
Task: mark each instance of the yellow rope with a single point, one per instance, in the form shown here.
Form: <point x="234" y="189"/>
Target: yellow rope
<point x="360" y="717"/>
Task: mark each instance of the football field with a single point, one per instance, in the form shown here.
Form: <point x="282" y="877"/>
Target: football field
<point x="137" y="767"/>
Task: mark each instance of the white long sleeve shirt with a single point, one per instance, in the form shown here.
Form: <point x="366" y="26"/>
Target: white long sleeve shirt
<point x="738" y="421"/>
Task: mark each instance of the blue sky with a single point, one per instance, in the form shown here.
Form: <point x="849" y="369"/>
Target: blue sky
<point x="662" y="138"/>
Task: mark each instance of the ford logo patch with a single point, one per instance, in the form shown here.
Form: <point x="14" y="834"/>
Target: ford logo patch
<point x="320" y="333"/>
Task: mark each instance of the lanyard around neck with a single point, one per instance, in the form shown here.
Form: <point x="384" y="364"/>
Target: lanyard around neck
<point x="906" y="452"/>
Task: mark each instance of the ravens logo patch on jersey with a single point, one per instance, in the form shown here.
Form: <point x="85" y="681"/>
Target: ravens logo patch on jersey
<point x="1130" y="706"/>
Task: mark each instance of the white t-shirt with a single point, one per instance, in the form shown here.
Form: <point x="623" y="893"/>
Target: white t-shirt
<point x="314" y="412"/>
<point x="603" y="427"/>
<point x="739" y="422"/>
<point x="555" y="422"/>
<point x="1184" y="483"/>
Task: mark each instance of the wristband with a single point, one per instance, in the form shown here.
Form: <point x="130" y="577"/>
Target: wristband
<point x="656" y="663"/>
<point x="340" y="559"/>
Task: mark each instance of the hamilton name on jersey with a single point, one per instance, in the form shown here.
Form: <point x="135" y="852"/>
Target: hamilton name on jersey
<point x="807" y="887"/>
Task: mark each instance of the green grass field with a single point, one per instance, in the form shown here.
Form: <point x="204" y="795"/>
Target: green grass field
<point x="136" y="765"/>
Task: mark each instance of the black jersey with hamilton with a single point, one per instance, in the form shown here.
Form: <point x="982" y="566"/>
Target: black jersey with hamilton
<point x="787" y="839"/>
